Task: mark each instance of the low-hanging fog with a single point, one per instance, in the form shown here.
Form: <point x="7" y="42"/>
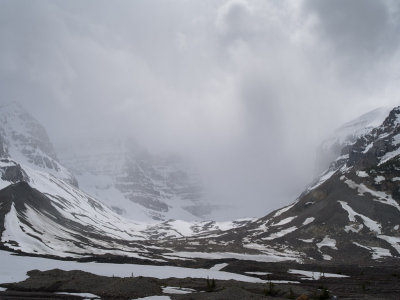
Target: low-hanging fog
<point x="246" y="90"/>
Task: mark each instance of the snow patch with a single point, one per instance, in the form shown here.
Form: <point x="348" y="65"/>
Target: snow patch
<point x="389" y="155"/>
<point x="362" y="174"/>
<point x="284" y="221"/>
<point x="396" y="139"/>
<point x="311" y="275"/>
<point x="154" y="298"/>
<point x="353" y="228"/>
<point x="258" y="273"/>
<point x="270" y="257"/>
<point x="369" y="146"/>
<point x="282" y="210"/>
<point x="279" y="234"/>
<point x="327" y="242"/>
<point x="219" y="267"/>
<point x="392" y="240"/>
<point x="324" y="177"/>
<point x="83" y="295"/>
<point x="307" y="240"/>
<point x="371" y="224"/>
<point x="308" y="221"/>
<point x="177" y="290"/>
<point x="377" y="252"/>
<point x="379" y="179"/>
<point x="14" y="269"/>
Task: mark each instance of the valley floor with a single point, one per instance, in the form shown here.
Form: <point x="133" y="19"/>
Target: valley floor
<point x="56" y="279"/>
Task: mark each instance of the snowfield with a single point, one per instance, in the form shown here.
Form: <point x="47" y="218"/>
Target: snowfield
<point x="14" y="269"/>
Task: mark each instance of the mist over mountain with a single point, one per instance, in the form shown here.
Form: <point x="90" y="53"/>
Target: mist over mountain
<point x="202" y="149"/>
<point x="236" y="87"/>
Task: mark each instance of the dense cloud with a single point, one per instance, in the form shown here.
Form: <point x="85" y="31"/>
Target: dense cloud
<point x="246" y="89"/>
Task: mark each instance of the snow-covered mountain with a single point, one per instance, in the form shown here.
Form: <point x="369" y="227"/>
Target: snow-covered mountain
<point x="136" y="183"/>
<point x="350" y="214"/>
<point x="42" y="214"/>
<point x="24" y="139"/>
<point x="347" y="134"/>
<point x="43" y="211"/>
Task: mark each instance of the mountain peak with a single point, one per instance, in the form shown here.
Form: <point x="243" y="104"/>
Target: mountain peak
<point x="25" y="140"/>
<point x="393" y="119"/>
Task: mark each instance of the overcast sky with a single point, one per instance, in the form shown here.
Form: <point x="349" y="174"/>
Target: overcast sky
<point x="245" y="88"/>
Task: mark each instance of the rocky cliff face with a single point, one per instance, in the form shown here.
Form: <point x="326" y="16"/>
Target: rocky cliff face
<point x="136" y="183"/>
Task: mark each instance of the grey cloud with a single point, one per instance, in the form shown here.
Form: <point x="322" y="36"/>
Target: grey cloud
<point x="246" y="89"/>
<point x="360" y="32"/>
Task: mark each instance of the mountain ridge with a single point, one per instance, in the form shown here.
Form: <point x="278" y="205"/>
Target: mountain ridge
<point x="349" y="215"/>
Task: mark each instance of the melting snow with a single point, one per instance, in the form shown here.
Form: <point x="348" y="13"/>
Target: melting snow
<point x="258" y="273"/>
<point x="268" y="257"/>
<point x="177" y="290"/>
<point x="154" y="298"/>
<point x="371" y="224"/>
<point x="326" y="257"/>
<point x="281" y="233"/>
<point x="362" y="174"/>
<point x="284" y="221"/>
<point x="392" y="240"/>
<point x="282" y="210"/>
<point x="376" y="252"/>
<point x="219" y="267"/>
<point x="308" y="221"/>
<point x="311" y="275"/>
<point x="389" y="156"/>
<point x="379" y="179"/>
<point x="396" y="139"/>
<point x="324" y="177"/>
<point x="14" y="269"/>
<point x="353" y="228"/>
<point x="306" y="241"/>
<point x="381" y="196"/>
<point x="327" y="242"/>
<point x="369" y="146"/>
<point x="85" y="295"/>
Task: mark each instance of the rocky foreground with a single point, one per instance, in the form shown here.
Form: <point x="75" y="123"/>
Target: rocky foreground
<point x="281" y="281"/>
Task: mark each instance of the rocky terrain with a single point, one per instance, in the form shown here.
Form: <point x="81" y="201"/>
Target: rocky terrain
<point x="283" y="281"/>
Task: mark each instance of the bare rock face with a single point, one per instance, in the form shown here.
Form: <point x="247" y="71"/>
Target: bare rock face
<point x="11" y="171"/>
